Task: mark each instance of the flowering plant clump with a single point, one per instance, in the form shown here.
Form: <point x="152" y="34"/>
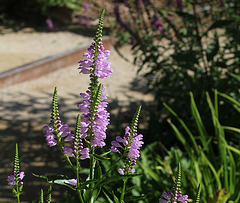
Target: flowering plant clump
<point x="90" y="129"/>
<point x="90" y="134"/>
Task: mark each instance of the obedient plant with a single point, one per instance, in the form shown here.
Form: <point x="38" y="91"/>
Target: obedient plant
<point x="130" y="145"/>
<point x="91" y="126"/>
<point x="17" y="177"/>
<point x="90" y="135"/>
<point x="175" y="195"/>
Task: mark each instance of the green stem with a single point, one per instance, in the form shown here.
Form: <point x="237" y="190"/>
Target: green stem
<point x="78" y="181"/>
<point x="18" y="195"/>
<point x="18" y="198"/>
<point x="92" y="165"/>
<point x="123" y="191"/>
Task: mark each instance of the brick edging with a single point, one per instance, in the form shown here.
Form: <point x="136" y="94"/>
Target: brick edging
<point x="46" y="65"/>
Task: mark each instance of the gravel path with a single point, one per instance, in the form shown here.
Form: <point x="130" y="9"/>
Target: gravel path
<point x="25" y="108"/>
<point x="18" y="48"/>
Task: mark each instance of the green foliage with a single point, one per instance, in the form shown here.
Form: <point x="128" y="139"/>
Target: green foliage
<point x="194" y="50"/>
<point x="214" y="160"/>
<point x="36" y="11"/>
<point x="207" y="157"/>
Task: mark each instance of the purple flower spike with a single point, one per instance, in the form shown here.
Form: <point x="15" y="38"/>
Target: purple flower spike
<point x="102" y="69"/>
<point x="101" y="120"/>
<point x="129" y="144"/>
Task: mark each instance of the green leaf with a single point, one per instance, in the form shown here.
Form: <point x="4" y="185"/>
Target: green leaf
<point x="100" y="157"/>
<point x="232" y="173"/>
<point x="86" y="183"/>
<point x="62" y="182"/>
<point x="97" y="171"/>
<point x="200" y="126"/>
<point x="233" y="101"/>
<point x="149" y="171"/>
<point x="110" y="191"/>
<point x="237" y="151"/>
<point x="134" y="198"/>
<point x="52" y="177"/>
<point x="217" y="177"/>
<point x="108" y="198"/>
<point x="180" y="137"/>
<point x="105" y="181"/>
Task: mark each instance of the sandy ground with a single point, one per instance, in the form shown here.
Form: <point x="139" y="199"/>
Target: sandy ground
<point x="27" y="46"/>
<point x="25" y="108"/>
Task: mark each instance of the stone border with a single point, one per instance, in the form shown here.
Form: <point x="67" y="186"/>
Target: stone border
<point x="46" y="65"/>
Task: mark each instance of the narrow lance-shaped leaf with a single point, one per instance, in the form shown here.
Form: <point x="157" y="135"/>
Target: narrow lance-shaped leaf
<point x="182" y="139"/>
<point x="201" y="129"/>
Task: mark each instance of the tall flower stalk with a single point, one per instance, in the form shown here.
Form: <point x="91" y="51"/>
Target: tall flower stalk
<point x="128" y="147"/>
<point x="175" y="195"/>
<point x="17" y="177"/>
<point x="57" y="133"/>
<point x="93" y="108"/>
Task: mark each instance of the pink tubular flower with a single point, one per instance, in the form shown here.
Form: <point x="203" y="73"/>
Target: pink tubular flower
<point x="63" y="132"/>
<point x="102" y="69"/>
<point x="100" y="122"/>
<point x="175" y="197"/>
<point x="11" y="179"/>
<point x="71" y="182"/>
<point x="129" y="144"/>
